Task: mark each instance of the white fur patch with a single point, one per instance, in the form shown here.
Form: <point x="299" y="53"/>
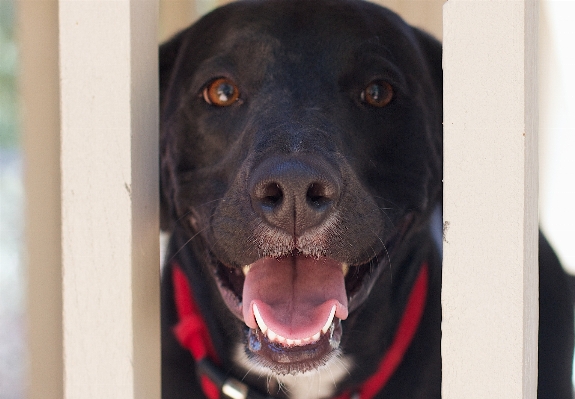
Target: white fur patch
<point x="319" y="384"/>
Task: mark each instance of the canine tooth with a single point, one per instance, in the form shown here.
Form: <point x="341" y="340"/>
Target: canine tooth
<point x="329" y="320"/>
<point x="344" y="269"/>
<point x="246" y="269"/>
<point x="259" y="319"/>
<point x="316" y="337"/>
<point x="272" y="335"/>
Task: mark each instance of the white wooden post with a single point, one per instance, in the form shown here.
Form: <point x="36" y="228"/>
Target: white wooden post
<point x="490" y="279"/>
<point x="109" y="162"/>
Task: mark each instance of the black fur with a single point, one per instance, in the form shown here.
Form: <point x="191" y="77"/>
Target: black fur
<point x="301" y="67"/>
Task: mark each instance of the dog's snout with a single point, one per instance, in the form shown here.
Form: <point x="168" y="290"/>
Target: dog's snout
<point x="294" y="194"/>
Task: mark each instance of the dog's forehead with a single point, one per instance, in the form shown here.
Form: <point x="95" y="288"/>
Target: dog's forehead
<point x="295" y="31"/>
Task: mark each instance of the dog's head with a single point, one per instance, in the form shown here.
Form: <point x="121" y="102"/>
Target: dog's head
<point x="301" y="144"/>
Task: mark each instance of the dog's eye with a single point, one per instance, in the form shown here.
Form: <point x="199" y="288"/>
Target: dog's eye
<point x="377" y="94"/>
<point x="221" y="92"/>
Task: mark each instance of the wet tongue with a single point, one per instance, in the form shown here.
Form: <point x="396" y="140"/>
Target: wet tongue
<point x="294" y="295"/>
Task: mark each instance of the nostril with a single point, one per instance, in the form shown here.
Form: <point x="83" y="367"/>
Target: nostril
<point x="293" y="193"/>
<point x="318" y="195"/>
<point x="271" y="195"/>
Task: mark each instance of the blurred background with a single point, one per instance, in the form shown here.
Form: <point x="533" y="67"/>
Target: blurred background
<point x="12" y="331"/>
<point x="557" y="143"/>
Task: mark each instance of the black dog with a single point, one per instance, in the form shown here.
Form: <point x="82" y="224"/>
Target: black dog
<point x="301" y="167"/>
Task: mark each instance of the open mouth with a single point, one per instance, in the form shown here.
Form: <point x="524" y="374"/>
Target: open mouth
<point x="293" y="306"/>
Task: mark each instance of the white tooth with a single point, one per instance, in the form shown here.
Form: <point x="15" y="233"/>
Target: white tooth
<point x="246" y="269"/>
<point x="344" y="269"/>
<point x="306" y="340"/>
<point x="259" y="319"/>
<point x="297" y="342"/>
<point x="329" y="320"/>
<point x="290" y="342"/>
<point x="280" y="339"/>
<point x="315" y="337"/>
<point x="272" y="335"/>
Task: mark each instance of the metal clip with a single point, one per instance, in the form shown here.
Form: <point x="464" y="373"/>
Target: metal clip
<point x="235" y="389"/>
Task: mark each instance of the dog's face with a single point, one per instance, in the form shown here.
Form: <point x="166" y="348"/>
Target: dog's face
<point x="301" y="144"/>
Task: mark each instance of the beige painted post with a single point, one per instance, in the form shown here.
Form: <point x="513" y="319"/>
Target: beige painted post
<point x="109" y="177"/>
<point x="490" y="307"/>
<point x="40" y="124"/>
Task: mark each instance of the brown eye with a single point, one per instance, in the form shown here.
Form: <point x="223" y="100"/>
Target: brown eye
<point x="221" y="92"/>
<point x="377" y="94"/>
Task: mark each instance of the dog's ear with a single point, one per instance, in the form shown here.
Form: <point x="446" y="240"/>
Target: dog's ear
<point x="432" y="53"/>
<point x="432" y="50"/>
<point x="168" y="57"/>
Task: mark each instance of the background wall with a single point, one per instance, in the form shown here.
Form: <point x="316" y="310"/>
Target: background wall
<point x="557" y="126"/>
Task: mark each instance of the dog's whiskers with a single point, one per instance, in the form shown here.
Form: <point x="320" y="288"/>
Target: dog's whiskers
<point x="387" y="254"/>
<point x="185" y="244"/>
<point x="342" y="364"/>
<point x="387" y="200"/>
<point x="248" y="372"/>
<point x="191" y="210"/>
<point x="282" y="387"/>
<point x="178" y="220"/>
<point x="331" y="374"/>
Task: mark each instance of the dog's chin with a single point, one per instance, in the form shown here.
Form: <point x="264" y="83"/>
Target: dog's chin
<point x="281" y="359"/>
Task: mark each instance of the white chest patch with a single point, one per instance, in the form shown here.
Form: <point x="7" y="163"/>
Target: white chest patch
<point x="320" y="384"/>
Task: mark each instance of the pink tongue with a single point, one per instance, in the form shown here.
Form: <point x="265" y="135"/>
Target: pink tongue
<point x="294" y="295"/>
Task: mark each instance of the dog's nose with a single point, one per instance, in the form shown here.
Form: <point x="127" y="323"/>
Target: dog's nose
<point x="294" y="194"/>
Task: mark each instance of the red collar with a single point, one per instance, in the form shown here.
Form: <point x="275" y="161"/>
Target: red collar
<point x="192" y="333"/>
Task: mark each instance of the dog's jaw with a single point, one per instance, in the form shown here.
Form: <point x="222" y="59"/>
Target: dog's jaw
<point x="311" y="337"/>
<point x="316" y="384"/>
